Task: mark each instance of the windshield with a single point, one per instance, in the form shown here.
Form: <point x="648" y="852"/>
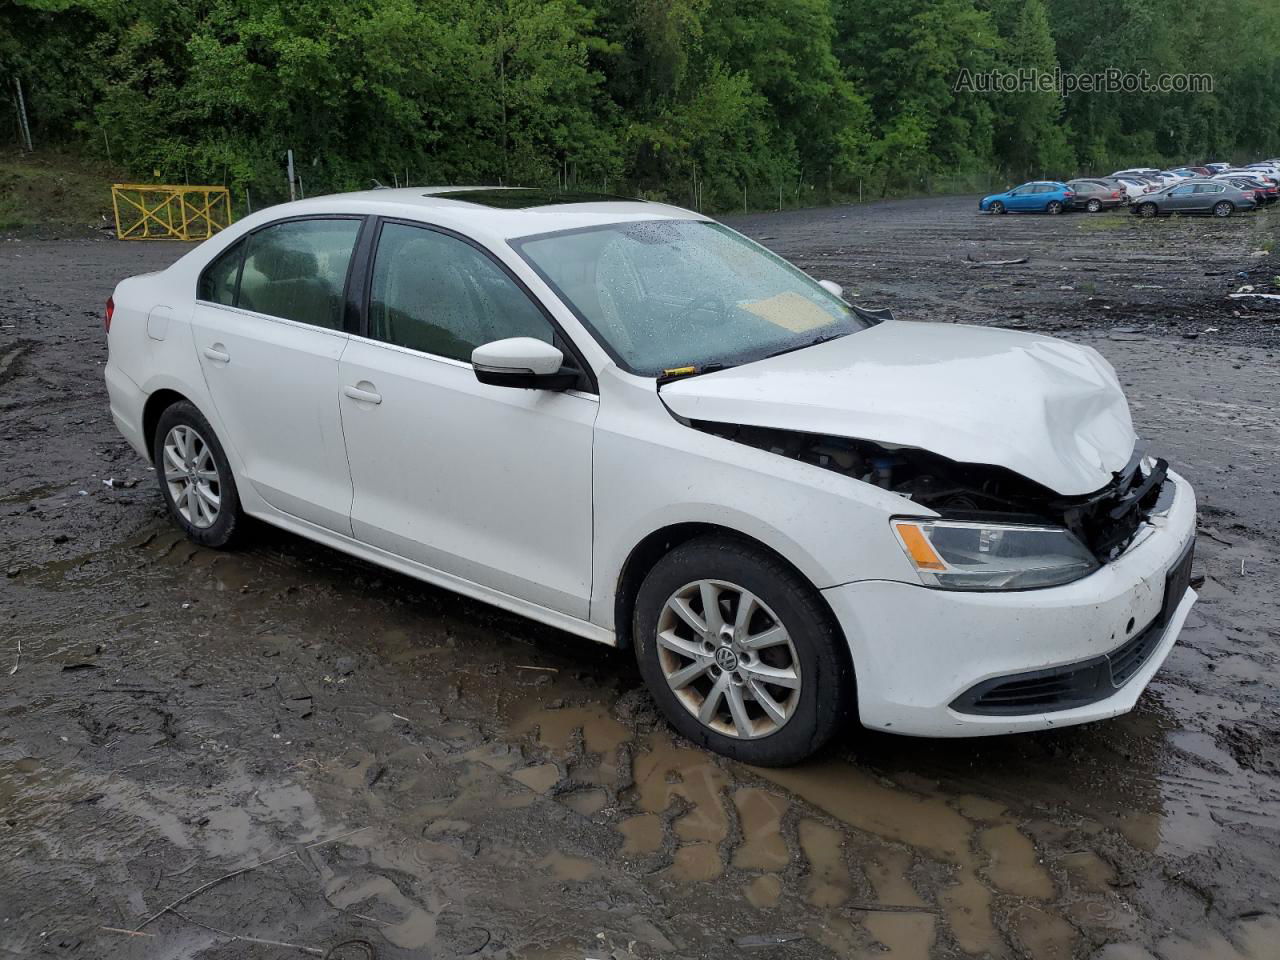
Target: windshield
<point x="666" y="295"/>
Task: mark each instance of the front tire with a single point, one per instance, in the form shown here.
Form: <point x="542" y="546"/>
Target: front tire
<point x="997" y="207"/>
<point x="1147" y="210"/>
<point x="1223" y="208"/>
<point x="195" y="477"/>
<point x="740" y="654"/>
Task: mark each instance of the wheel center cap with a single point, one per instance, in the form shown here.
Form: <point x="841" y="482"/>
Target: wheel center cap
<point x="726" y="660"/>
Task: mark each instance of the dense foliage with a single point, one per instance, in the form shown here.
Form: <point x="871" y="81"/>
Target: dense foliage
<point x="714" y="104"/>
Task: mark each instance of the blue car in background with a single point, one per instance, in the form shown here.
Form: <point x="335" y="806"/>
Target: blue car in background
<point x="1039" y="196"/>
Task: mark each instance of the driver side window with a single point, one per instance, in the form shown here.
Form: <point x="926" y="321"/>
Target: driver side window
<point x="440" y="295"/>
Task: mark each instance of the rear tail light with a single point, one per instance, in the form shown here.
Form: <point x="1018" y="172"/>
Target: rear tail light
<point x="1115" y="194"/>
<point x="111" y="308"/>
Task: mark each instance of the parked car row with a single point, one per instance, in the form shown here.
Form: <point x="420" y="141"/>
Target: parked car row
<point x="1216" y="189"/>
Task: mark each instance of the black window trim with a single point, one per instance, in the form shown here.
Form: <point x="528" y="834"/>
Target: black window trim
<point x="243" y="242"/>
<point x="239" y="247"/>
<point x="365" y="280"/>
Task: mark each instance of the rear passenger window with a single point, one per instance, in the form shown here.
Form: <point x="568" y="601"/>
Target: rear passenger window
<point x="218" y="282"/>
<point x="298" y="270"/>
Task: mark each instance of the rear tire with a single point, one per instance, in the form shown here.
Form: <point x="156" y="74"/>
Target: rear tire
<point x="1054" y="208"/>
<point x="1093" y="206"/>
<point x="1223" y="208"/>
<point x="195" y="477"/>
<point x="712" y="676"/>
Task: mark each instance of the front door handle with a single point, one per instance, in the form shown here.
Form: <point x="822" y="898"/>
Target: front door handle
<point x="365" y="396"/>
<point x="217" y="352"/>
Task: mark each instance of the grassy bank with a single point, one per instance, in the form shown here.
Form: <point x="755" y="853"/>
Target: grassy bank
<point x="54" y="191"/>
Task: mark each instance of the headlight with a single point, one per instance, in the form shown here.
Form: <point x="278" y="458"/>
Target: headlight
<point x="959" y="555"/>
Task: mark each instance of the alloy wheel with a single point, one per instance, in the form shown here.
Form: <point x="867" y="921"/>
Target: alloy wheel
<point x="1095" y="206"/>
<point x="1222" y="209"/>
<point x="728" y="659"/>
<point x="192" y="476"/>
<point x="1054" y="207"/>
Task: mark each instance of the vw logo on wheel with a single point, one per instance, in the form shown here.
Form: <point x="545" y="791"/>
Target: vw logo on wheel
<point x="726" y="660"/>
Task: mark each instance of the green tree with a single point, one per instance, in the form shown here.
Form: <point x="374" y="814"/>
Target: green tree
<point x="1029" y="139"/>
<point x="907" y="55"/>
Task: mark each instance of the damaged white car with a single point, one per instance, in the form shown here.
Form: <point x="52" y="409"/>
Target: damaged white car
<point x="630" y="422"/>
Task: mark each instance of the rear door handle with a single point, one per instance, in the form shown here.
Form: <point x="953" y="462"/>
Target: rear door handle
<point x="366" y="396"/>
<point x="217" y="352"/>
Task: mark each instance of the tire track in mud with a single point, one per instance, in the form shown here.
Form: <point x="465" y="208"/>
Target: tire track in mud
<point x="10" y="358"/>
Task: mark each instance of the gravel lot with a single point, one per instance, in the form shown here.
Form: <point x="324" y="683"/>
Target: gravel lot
<point x="402" y="773"/>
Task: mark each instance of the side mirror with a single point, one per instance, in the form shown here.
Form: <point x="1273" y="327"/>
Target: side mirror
<point x="832" y="288"/>
<point x="524" y="363"/>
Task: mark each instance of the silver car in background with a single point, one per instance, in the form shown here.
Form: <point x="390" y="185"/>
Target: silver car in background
<point x="1212" y="197"/>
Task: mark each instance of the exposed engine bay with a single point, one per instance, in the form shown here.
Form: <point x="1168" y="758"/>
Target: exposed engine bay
<point x="1105" y="521"/>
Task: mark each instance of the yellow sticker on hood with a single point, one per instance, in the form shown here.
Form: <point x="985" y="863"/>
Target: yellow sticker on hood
<point x="791" y="311"/>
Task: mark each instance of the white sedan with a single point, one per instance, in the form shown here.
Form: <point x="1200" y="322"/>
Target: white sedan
<point x="630" y="422"/>
<point x="1134" y="188"/>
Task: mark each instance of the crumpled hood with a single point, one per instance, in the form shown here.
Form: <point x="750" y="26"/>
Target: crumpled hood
<point x="1049" y="410"/>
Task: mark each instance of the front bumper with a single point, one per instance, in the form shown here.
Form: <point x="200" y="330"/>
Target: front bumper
<point x="917" y="651"/>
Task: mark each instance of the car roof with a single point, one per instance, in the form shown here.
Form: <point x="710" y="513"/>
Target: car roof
<point x="495" y="212"/>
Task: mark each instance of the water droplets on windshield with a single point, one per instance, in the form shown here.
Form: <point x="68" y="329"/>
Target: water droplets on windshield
<point x="661" y="294"/>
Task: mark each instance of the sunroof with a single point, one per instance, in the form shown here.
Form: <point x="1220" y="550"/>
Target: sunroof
<point x="518" y="198"/>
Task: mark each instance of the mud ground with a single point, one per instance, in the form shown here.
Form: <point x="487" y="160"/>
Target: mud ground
<point x="398" y="772"/>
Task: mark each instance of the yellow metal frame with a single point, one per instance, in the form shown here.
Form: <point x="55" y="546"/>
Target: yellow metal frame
<point x="167" y="212"/>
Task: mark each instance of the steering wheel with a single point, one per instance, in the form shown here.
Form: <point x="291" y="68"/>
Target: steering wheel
<point x="708" y="302"/>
